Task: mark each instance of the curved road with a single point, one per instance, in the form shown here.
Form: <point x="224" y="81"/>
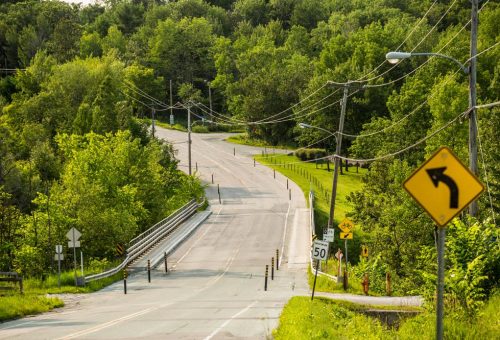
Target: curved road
<point x="215" y="289"/>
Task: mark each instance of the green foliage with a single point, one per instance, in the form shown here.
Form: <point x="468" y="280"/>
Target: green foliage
<point x="16" y="306"/>
<point x="309" y="154"/>
<point x="325" y="319"/>
<point x="472" y="265"/>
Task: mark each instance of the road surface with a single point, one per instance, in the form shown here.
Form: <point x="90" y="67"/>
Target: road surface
<point x="215" y="289"/>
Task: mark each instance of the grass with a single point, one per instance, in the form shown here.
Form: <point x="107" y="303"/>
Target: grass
<point x="16" y="305"/>
<point x="328" y="319"/>
<point x="243" y="139"/>
<point x="34" y="300"/>
<point x="308" y="175"/>
<point x="324" y="318"/>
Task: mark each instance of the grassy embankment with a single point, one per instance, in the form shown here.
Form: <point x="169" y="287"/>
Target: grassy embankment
<point x="36" y="297"/>
<point x="243" y="139"/>
<point x="317" y="177"/>
<point x="328" y="319"/>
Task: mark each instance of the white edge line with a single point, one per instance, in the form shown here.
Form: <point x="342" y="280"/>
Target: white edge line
<point x="229" y="320"/>
<point x="284" y="233"/>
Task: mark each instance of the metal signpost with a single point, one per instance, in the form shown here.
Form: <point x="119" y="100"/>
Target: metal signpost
<point x="346" y="226"/>
<point x="319" y="252"/>
<point x="73" y="236"/>
<point x="443" y="186"/>
<point x="59" y="257"/>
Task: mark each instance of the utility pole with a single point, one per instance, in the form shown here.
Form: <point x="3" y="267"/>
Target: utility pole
<point x="171" y="109"/>
<point x="346" y="87"/>
<point x="153" y="122"/>
<point x="473" y="208"/>
<point x="210" y="100"/>
<point x="189" y="136"/>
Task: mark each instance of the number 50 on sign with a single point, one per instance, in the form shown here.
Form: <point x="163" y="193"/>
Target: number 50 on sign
<point x="320" y="250"/>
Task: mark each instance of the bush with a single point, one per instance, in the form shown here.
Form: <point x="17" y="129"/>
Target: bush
<point x="200" y="129"/>
<point x="28" y="261"/>
<point x="309" y="154"/>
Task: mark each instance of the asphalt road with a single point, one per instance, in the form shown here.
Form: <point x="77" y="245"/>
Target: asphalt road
<point x="215" y="287"/>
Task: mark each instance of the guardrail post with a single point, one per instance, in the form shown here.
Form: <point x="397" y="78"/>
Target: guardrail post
<point x="272" y="268"/>
<point x="234" y="151"/>
<point x="196" y="166"/>
<point x="149" y="271"/>
<point x="265" y="278"/>
<point x="165" y="256"/>
<point x="274" y="173"/>
<point x="124" y="281"/>
<point x="254" y="162"/>
<point x="212" y="178"/>
<point x="218" y="192"/>
<point x="289" y="194"/>
<point x="287" y="183"/>
<point x="388" y="284"/>
<point x="277" y="259"/>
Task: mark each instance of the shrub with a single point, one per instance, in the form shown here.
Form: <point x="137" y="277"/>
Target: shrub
<point x="200" y="129"/>
<point x="309" y="154"/>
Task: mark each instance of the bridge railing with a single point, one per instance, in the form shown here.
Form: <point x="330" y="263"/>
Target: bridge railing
<point x="147" y="239"/>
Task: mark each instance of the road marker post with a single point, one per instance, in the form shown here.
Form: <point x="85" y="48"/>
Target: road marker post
<point x="254" y="162"/>
<point x="165" y="257"/>
<point x="149" y="271"/>
<point x="287" y="183"/>
<point x="212" y="178"/>
<point x="265" y="277"/>
<point x="125" y="281"/>
<point x="234" y="151"/>
<point x="277" y="259"/>
<point x="274" y="173"/>
<point x="218" y="192"/>
<point x="196" y="166"/>
<point x="272" y="268"/>
<point x="289" y="194"/>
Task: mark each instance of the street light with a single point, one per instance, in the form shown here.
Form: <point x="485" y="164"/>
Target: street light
<point x="395" y="57"/>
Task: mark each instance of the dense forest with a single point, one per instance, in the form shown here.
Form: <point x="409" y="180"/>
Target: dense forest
<point x="76" y="79"/>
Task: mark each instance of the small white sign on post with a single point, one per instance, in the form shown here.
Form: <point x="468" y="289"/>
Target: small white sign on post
<point x="320" y="250"/>
<point x="329" y="235"/>
<point x="73" y="244"/>
<point x="59" y="249"/>
<point x="58" y="257"/>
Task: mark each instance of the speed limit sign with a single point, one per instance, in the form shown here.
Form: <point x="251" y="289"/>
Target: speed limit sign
<point x="320" y="250"/>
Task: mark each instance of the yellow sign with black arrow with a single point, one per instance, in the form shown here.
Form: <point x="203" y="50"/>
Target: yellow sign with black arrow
<point x="364" y="251"/>
<point x="443" y="186"/>
<point x="346" y="236"/>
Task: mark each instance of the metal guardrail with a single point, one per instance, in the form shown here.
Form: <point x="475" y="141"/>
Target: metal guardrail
<point x="147" y="239"/>
<point x="313" y="233"/>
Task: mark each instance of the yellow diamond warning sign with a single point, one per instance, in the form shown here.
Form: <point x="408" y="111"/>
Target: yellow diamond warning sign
<point x="443" y="186"/>
<point x="346" y="225"/>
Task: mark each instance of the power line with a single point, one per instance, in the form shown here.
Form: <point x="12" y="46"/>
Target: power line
<point x="408" y="147"/>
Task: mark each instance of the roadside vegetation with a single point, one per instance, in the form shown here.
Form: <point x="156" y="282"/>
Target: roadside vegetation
<point x="324" y="318"/>
<point x="76" y="81"/>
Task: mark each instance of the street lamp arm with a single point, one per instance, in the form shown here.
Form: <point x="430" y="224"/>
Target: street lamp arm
<point x="462" y="66"/>
<point x="394" y="57"/>
<point x="304" y="125"/>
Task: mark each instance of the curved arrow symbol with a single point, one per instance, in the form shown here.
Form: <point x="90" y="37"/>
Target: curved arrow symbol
<point x="437" y="175"/>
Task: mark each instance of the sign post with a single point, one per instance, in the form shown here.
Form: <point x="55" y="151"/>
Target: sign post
<point x="443" y="186"/>
<point x="73" y="236"/>
<point x="347" y="227"/>
<point x="59" y="256"/>
<point x="319" y="252"/>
